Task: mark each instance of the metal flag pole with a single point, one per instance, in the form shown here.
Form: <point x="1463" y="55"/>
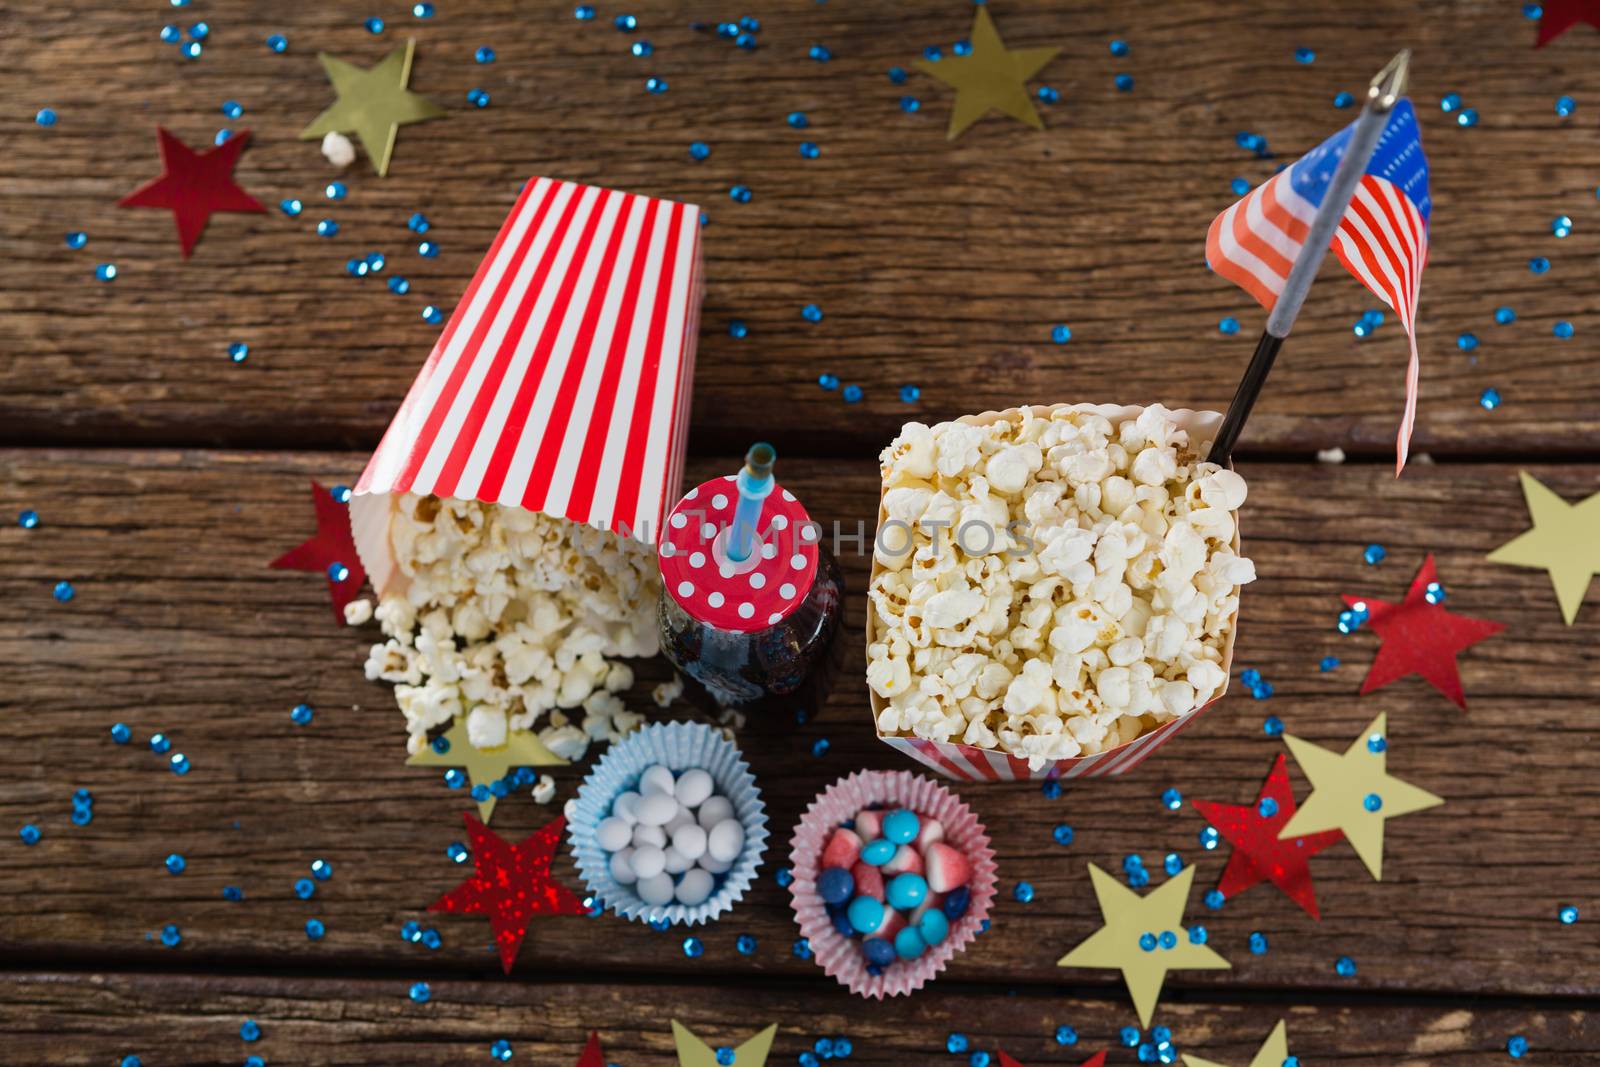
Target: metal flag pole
<point x="1385" y="91"/>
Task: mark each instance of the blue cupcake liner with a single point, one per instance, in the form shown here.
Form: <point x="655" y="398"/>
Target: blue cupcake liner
<point x="679" y="746"/>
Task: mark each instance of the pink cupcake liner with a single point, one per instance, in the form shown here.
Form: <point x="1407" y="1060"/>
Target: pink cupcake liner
<point x="841" y="956"/>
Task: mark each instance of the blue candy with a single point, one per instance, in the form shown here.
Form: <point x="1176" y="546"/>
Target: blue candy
<point x="878" y="951"/>
<point x="956" y="902"/>
<point x="878" y="852"/>
<point x="907" y="890"/>
<point x="933" y="926"/>
<point x="841" y="920"/>
<point x="901" y="826"/>
<point x="835" y="885"/>
<point x="908" y="944"/>
<point x="866" y="915"/>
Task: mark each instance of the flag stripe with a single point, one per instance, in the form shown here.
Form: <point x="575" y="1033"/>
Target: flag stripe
<point x="562" y="379"/>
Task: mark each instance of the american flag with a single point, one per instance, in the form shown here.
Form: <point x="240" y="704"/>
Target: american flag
<point x="1382" y="239"/>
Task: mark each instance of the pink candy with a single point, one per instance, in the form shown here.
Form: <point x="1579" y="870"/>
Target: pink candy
<point x="842" y="850"/>
<point x="906" y="860"/>
<point x="869" y="825"/>
<point x="869" y="881"/>
<point x="947" y="868"/>
<point x="932" y="831"/>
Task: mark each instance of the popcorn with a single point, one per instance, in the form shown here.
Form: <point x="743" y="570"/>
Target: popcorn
<point x="338" y="150"/>
<point x="358" y="612"/>
<point x="544" y="790"/>
<point x="1054" y="585"/>
<point x="511" y="619"/>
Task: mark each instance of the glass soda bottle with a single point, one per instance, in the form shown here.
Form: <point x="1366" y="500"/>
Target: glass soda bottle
<point x="751" y="600"/>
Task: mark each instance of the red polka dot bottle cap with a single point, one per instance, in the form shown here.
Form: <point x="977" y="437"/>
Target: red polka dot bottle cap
<point x="742" y="597"/>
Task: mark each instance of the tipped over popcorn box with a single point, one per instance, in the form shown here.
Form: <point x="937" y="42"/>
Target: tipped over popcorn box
<point x="506" y="517"/>
<point x="1055" y="589"/>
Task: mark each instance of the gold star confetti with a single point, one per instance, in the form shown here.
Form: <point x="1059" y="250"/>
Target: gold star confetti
<point x="692" y="1052"/>
<point x="1274" y="1052"/>
<point x="1565" y="540"/>
<point x="373" y="104"/>
<point x="1353" y="793"/>
<point x="1128" y="918"/>
<point x="487" y="765"/>
<point x="989" y="77"/>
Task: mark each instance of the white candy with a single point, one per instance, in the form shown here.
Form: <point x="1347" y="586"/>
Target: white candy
<point x="694" y="888"/>
<point x="649" y="861"/>
<point x="658" y="890"/>
<point x="649" y="835"/>
<point x="657" y="809"/>
<point x="626" y="806"/>
<point x="622" y="867"/>
<point x="683" y="817"/>
<point x="657" y="779"/>
<point x="694" y="787"/>
<point x="713" y="811"/>
<point x="677" y="862"/>
<point x="690" y="840"/>
<point x="613" y="834"/>
<point x="715" y="866"/>
<point x="725" y="841"/>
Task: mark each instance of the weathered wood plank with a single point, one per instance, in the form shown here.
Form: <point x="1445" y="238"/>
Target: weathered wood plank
<point x="179" y="626"/>
<point x="68" y="1020"/>
<point x="939" y="264"/>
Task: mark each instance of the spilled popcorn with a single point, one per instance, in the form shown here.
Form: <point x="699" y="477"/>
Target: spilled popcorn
<point x="512" y="619"/>
<point x="1051" y="585"/>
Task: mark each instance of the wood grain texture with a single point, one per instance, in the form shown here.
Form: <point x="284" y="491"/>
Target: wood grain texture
<point x="940" y="264"/>
<point x="179" y="626"/>
<point x="179" y="1020"/>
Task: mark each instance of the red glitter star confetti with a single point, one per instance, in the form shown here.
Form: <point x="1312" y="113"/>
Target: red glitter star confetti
<point x="592" y="1054"/>
<point x="1258" y="855"/>
<point x="1421" y="638"/>
<point x="512" y="884"/>
<point x="195" y="185"/>
<point x="1097" y="1060"/>
<point x="333" y="546"/>
<point x="1559" y="16"/>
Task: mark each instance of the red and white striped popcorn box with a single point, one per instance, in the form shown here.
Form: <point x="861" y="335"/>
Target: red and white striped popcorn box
<point x="561" y="383"/>
<point x="969" y="763"/>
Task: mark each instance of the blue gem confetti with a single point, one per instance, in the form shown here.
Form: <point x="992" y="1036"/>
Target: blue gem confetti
<point x="278" y="43"/>
<point x="910" y="394"/>
<point x="1562" y="330"/>
<point x="171" y="34"/>
<point x="423" y="10"/>
<point x="335" y="191"/>
<point x="1344" y="967"/>
<point x="30" y="834"/>
<point x="811" y="313"/>
<point x="1505" y="316"/>
<point x="738" y="329"/>
<point x="301" y="714"/>
<point x="233" y="893"/>
<point x="1051" y="788"/>
<point x="852" y="394"/>
<point x="1565" y="106"/>
<point x="740" y="194"/>
<point x="63" y="591"/>
<point x="955" y="1044"/>
<point x="1374" y="554"/>
<point x="305" y="888"/>
<point x="1489" y="399"/>
<point x="1023" y="891"/>
<point x="820" y="747"/>
<point x="1561" y="225"/>
<point x="27" y="518"/>
<point x="399" y="286"/>
<point x="1123" y="82"/>
<point x="809" y="150"/>
<point x="1172" y="800"/>
<point x="1449" y="102"/>
<point x="1048" y="95"/>
<point x="420" y="992"/>
<point x="250" y="1031"/>
<point x="291" y="206"/>
<point x="1119" y="48"/>
<point x="820" y="53"/>
<point x="106" y="272"/>
<point x="315" y="929"/>
<point x="1304" y="55"/>
<point x="192" y="50"/>
<point x="484" y="54"/>
<point x="1060" y="333"/>
<point x="432" y="314"/>
<point x="176" y="864"/>
<point x="798" y="120"/>
<point x="1467" y="342"/>
<point x="172" y="937"/>
<point x="801" y="949"/>
<point x="655" y="85"/>
<point x="1267" y="808"/>
<point x="120" y="733"/>
<point x="477" y="98"/>
<point x="501" y="1050"/>
<point x="1214" y="899"/>
<point x="1209" y="838"/>
<point x="77" y="239"/>
<point x="911" y="105"/>
<point x="1539" y="264"/>
<point x="1258" y="943"/>
<point x="1172" y="864"/>
<point x="374" y="24"/>
<point x="1062" y="834"/>
<point x="1343" y="100"/>
<point x="159" y="743"/>
<point x="1229" y="326"/>
<point x="1467" y="117"/>
<point x="1328" y="663"/>
<point x="897" y="75"/>
<point x="321" y="870"/>
<point x="745" y="944"/>
<point x="1516" y="1046"/>
<point x="1568" y="915"/>
<point x="327" y="228"/>
<point x="1066" y="1035"/>
<point x="693" y="948"/>
<point x="699" y="151"/>
<point x="45" y="117"/>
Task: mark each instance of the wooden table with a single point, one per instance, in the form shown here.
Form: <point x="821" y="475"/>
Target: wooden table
<point x="166" y="476"/>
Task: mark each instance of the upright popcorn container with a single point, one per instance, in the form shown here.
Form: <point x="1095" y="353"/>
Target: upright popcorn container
<point x="561" y="383"/>
<point x="973" y="763"/>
